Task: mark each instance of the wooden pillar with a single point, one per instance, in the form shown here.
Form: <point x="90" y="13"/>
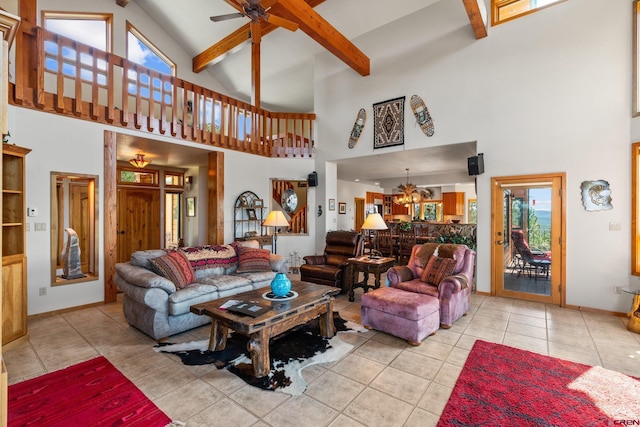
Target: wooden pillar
<point x="110" y="216"/>
<point x="215" y="215"/>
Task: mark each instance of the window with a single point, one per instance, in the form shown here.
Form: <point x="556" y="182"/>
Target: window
<point x="506" y="10"/>
<point x="472" y="211"/>
<point x="137" y="176"/>
<point x="90" y="29"/>
<point x="143" y="52"/>
<point x="173" y="219"/>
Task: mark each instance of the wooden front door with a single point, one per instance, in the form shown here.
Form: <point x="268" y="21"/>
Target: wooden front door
<point x="138" y="221"/>
<point x="359" y="214"/>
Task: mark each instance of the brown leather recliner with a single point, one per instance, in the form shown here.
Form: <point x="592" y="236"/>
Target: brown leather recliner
<point x="328" y="269"/>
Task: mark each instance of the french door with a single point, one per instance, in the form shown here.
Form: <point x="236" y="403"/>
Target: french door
<point x="527" y="228"/>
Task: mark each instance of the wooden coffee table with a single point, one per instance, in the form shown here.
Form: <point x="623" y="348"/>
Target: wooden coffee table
<point x="312" y="301"/>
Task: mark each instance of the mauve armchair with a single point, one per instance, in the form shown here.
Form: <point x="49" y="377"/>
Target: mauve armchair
<point x="453" y="292"/>
<point x="328" y="269"/>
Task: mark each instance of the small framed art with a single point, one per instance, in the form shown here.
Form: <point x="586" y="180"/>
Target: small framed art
<point x="191" y="206"/>
<point x="342" y="208"/>
<point x="258" y="203"/>
<point x="332" y="204"/>
<point x="251" y="214"/>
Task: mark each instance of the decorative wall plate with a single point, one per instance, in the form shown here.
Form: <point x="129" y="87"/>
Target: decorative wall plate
<point x="422" y="115"/>
<point x="596" y="195"/>
<point x="357" y="128"/>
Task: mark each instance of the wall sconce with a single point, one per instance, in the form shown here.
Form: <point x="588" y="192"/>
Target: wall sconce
<point x="319" y="210"/>
<point x="188" y="181"/>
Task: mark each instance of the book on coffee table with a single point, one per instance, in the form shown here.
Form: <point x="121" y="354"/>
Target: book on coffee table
<point x="250" y="308"/>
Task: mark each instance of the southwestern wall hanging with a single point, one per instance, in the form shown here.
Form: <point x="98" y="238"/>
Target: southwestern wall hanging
<point x="388" y="123"/>
<point x="596" y="195"/>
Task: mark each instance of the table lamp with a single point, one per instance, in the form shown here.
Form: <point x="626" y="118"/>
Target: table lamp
<point x="275" y="219"/>
<point x="374" y="221"/>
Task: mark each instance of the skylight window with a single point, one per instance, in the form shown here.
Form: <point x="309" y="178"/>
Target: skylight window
<point x="141" y="51"/>
<point x="505" y="10"/>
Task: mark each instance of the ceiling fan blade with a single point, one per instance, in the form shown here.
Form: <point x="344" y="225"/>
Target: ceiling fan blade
<point x="280" y="22"/>
<point x="219" y="18"/>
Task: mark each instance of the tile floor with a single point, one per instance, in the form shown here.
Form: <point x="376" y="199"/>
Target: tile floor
<point x="382" y="382"/>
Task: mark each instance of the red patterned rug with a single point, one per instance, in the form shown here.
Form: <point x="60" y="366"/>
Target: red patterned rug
<point x="501" y="386"/>
<point x="91" y="393"/>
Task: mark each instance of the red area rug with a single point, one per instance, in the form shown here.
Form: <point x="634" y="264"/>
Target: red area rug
<point x="501" y="386"/>
<point x="91" y="393"/>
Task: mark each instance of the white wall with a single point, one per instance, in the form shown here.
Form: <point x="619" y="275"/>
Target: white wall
<point x="549" y="92"/>
<point x="347" y="191"/>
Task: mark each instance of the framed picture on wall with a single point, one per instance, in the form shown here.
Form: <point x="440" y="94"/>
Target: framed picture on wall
<point x="342" y="208"/>
<point x="191" y="206"/>
<point x="332" y="204"/>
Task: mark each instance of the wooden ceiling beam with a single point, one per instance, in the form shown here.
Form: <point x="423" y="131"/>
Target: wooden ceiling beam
<point x="319" y="29"/>
<point x="475" y="18"/>
<point x="215" y="53"/>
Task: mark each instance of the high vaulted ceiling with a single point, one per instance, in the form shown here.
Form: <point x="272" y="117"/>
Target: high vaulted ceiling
<point x="283" y="53"/>
<point x="287" y="81"/>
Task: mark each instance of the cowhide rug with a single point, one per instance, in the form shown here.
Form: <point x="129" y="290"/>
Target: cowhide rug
<point x="290" y="353"/>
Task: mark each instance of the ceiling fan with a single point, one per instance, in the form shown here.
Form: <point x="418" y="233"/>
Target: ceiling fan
<point x="256" y="11"/>
<point x="265" y="16"/>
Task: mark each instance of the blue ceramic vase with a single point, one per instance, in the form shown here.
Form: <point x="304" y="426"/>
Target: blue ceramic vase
<point x="280" y="285"/>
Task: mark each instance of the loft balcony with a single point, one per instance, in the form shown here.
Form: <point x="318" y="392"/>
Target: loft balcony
<point x="59" y="75"/>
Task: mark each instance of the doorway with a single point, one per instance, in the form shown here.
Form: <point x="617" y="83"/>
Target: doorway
<point x="528" y="226"/>
<point x="138" y="221"/>
<point x="358" y="218"/>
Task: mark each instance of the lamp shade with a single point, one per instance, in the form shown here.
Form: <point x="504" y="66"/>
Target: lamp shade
<point x="275" y="219"/>
<point x="374" y="221"/>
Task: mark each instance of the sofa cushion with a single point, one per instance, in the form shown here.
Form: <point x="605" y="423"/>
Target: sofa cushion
<point x="252" y="259"/>
<point x="227" y="282"/>
<point x="141" y="258"/>
<point x="423" y="254"/>
<point x="417" y="286"/>
<point x="176" y="267"/>
<point x="211" y="256"/>
<point x="437" y="269"/>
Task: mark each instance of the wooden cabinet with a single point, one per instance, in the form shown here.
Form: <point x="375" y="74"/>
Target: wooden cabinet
<point x="14" y="260"/>
<point x="453" y="203"/>
<point x="391" y="208"/>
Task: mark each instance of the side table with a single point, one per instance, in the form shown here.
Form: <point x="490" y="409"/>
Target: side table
<point x="634" y="314"/>
<point x="366" y="264"/>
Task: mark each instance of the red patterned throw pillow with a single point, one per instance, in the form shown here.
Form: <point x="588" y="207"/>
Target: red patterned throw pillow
<point x="437" y="269"/>
<point x="176" y="267"/>
<point x="252" y="260"/>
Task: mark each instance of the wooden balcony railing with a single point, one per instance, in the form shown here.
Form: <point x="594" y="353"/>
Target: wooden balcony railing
<point x="62" y="76"/>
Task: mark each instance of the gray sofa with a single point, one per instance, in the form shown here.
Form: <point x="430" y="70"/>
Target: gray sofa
<point x="153" y="304"/>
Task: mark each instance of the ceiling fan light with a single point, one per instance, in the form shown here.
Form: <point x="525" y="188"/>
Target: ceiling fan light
<point x="139" y="161"/>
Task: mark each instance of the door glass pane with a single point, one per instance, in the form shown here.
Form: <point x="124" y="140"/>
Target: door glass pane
<point x="527" y="220"/>
<point x="172" y="217"/>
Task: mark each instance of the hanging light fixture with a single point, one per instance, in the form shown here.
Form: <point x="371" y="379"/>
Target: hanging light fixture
<point x="139" y="162"/>
<point x="410" y="194"/>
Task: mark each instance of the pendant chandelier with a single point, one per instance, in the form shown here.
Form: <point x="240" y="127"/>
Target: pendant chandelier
<point x="139" y="162"/>
<point x="410" y="194"/>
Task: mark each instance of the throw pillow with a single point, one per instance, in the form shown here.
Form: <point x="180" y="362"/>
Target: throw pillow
<point x="209" y="256"/>
<point x="176" y="267"/>
<point x="437" y="269"/>
<point x="252" y="260"/>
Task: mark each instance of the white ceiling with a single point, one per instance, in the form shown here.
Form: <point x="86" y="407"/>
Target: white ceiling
<point x="289" y="54"/>
<point x="282" y="52"/>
